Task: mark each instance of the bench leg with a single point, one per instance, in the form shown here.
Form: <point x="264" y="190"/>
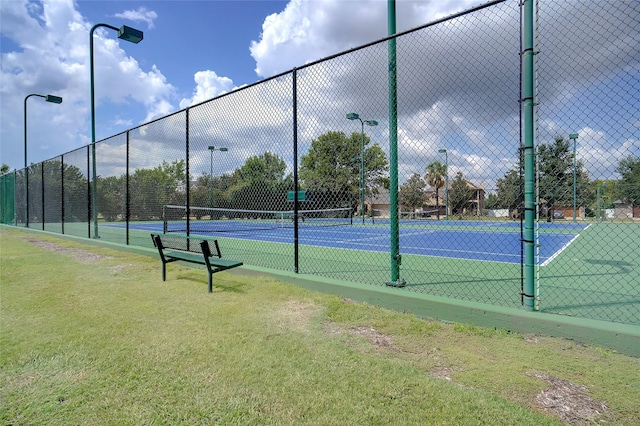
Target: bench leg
<point x="164" y="271"/>
<point x="210" y="282"/>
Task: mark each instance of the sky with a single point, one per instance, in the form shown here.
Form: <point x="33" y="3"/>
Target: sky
<point x="193" y="51"/>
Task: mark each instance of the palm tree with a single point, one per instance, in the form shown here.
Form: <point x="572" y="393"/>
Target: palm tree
<point x="435" y="174"/>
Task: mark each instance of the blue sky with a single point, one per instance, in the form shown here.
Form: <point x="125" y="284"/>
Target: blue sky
<point x="195" y="50"/>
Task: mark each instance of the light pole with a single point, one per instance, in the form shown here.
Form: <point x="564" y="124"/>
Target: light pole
<point x="211" y="149"/>
<point x="354" y="116"/>
<point x="446" y="181"/>
<point x="125" y="33"/>
<point x="49" y="98"/>
<point x="574" y="137"/>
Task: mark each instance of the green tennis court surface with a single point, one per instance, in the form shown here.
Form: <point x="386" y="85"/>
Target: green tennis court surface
<point x="589" y="270"/>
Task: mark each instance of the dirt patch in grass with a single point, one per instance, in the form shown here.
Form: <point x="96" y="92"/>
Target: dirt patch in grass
<point x="81" y="256"/>
<point x="441" y="372"/>
<point x="569" y="401"/>
<point x="374" y="337"/>
<point x="295" y="315"/>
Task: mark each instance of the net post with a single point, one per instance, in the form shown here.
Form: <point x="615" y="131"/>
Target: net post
<point x="164" y="219"/>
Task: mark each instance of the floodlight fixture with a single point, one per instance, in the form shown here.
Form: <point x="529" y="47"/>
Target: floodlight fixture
<point x="130" y="34"/>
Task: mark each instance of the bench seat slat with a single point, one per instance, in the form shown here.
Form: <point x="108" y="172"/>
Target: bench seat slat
<point x="189" y="257"/>
<point x="195" y="258"/>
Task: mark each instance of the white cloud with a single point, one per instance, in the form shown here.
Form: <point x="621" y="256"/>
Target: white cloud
<point x="308" y="30"/>
<point x="139" y="15"/>
<point x="208" y="86"/>
<point x="51" y="56"/>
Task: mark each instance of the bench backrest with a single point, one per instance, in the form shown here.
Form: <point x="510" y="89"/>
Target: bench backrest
<point x="189" y="244"/>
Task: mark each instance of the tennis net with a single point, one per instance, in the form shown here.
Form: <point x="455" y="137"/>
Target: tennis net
<point x="205" y="219"/>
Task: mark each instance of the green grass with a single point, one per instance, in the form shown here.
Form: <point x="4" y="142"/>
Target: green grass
<point x="91" y="335"/>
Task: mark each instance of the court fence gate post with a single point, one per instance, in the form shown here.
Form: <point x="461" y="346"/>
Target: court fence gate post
<point x="528" y="153"/>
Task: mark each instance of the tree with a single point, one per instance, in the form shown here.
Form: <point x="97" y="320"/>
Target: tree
<point x="111" y="197"/>
<point x="151" y="189"/>
<point x="493" y="202"/>
<point x="76" y="194"/>
<point x="435" y="174"/>
<point x="555" y="167"/>
<point x="412" y="192"/>
<point x="261" y="184"/>
<point x="459" y="195"/>
<point x="266" y="169"/>
<point x="4" y="168"/>
<point x="629" y="169"/>
<point x="509" y="191"/>
<point x="330" y="171"/>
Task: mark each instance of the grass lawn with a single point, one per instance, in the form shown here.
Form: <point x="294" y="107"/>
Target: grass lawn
<point x="91" y="335"/>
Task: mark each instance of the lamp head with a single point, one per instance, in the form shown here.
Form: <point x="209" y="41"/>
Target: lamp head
<point x="223" y="149"/>
<point x="442" y="151"/>
<point x="371" y="122"/>
<point x="53" y="99"/>
<point x="130" y="34"/>
<point x="352" y="116"/>
<point x="573" y="136"/>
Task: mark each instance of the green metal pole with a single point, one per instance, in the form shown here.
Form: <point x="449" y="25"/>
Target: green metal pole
<point x="211" y="179"/>
<point x="598" y="202"/>
<point x="26" y="171"/>
<point x="94" y="174"/>
<point x="574" y="136"/>
<point x="396" y="258"/>
<point x="362" y="174"/>
<point x="574" y="181"/>
<point x="446" y="184"/>
<point x="49" y="98"/>
<point x="125" y="33"/>
<point x="528" y="145"/>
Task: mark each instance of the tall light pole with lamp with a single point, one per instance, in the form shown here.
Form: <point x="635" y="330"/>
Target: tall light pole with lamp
<point x="125" y="33"/>
<point x="354" y="116"/>
<point x="574" y="137"/>
<point x="49" y="98"/>
<point x="211" y="149"/>
<point x="446" y="181"/>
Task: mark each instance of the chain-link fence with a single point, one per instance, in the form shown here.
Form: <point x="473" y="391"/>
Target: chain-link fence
<point x="294" y="173"/>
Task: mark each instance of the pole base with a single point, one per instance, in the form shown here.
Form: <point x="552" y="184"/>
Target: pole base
<point x="398" y="283"/>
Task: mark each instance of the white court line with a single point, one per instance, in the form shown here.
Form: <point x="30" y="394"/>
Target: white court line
<point x="546" y="262"/>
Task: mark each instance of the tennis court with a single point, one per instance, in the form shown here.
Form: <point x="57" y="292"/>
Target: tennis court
<point x="484" y="241"/>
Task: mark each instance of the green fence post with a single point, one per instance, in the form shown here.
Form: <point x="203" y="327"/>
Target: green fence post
<point x="528" y="154"/>
<point x="393" y="152"/>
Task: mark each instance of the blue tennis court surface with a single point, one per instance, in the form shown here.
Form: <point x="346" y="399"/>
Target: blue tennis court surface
<point x="493" y="242"/>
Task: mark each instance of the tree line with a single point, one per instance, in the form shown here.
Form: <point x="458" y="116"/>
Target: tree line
<point x="330" y="172"/>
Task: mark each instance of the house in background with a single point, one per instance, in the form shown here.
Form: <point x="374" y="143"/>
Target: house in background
<point x="475" y="206"/>
<point x="381" y="203"/>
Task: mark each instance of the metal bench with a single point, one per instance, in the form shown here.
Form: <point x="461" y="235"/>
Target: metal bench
<point x="172" y="248"/>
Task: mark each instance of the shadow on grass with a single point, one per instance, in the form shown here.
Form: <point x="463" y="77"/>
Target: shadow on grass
<point x="227" y="287"/>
